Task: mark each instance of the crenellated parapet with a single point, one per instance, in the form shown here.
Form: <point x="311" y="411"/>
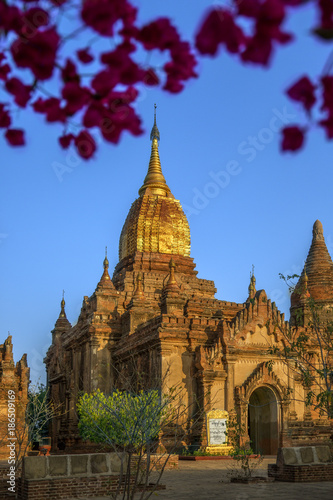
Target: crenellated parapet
<point x="260" y="311"/>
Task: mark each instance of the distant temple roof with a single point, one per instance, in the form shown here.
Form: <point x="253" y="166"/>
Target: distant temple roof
<point x="317" y="275"/>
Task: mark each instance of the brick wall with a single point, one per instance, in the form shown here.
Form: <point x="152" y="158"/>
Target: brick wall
<point x="157" y="462"/>
<point x="307" y="433"/>
<point x="303" y="464"/>
<point x="65" y="488"/>
<point x="57" y="477"/>
<point x="302" y="473"/>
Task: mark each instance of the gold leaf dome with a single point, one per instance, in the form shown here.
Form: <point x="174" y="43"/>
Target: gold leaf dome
<point x="156" y="221"/>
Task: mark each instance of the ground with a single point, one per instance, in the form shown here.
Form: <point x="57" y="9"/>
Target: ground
<point x="208" y="480"/>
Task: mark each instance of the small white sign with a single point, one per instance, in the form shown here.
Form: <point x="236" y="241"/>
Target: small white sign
<point x="217" y="431"/>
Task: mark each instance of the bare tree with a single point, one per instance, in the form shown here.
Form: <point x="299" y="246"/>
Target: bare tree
<point x="307" y="351"/>
<point x="132" y="423"/>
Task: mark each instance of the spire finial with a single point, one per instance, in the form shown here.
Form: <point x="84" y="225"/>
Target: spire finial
<point x="62" y="304"/>
<point x="155" y="133"/>
<point x="318" y="232"/>
<point x="106" y="262"/>
<point x="105" y="282"/>
<point x="252" y="285"/>
<point x="154" y="180"/>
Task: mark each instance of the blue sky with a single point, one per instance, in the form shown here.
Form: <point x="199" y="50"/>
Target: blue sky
<point x="246" y="204"/>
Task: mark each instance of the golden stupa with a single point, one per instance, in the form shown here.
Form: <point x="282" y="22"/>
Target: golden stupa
<point x="156" y="221"/>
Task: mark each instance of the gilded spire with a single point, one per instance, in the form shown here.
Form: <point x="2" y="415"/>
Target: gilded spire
<point x="106" y="262"/>
<point x="62" y="304"/>
<point x="155" y="133"/>
<point x="154" y="180"/>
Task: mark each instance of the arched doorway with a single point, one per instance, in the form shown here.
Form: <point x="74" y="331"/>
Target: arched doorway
<point x="263" y="421"/>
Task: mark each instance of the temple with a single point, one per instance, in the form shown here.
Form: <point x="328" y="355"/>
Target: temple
<point x="156" y="318"/>
<point x="14" y="382"/>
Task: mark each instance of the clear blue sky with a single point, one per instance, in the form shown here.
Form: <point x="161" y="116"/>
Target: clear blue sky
<point x="53" y="233"/>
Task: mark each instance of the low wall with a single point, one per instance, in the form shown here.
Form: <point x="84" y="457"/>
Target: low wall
<point x="4" y="471"/>
<point x="303" y="464"/>
<point x="156" y="462"/>
<point x="68" y="476"/>
<point x="57" y="477"/>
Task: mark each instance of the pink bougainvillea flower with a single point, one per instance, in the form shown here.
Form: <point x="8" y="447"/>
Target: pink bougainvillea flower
<point x="327" y="125"/>
<point x="84" y="56"/>
<point x="51" y="108"/>
<point x="77" y="97"/>
<point x="326" y="14"/>
<point x="5" y="119"/>
<point x="218" y="28"/>
<point x="268" y="20"/>
<point x="104" y="81"/>
<point x="20" y="91"/>
<point x="4" y="70"/>
<point x="101" y="15"/>
<point x="10" y="17"/>
<point x="159" y="34"/>
<point x="37" y="53"/>
<point x="58" y="3"/>
<point x="69" y="72"/>
<point x="292" y="138"/>
<point x="85" y="144"/>
<point x="272" y="12"/>
<point x="33" y="19"/>
<point x="150" y="78"/>
<point x="248" y="8"/>
<point x="327" y="93"/>
<point x="66" y="140"/>
<point x="303" y="91"/>
<point x="119" y="116"/>
<point x="93" y="115"/>
<point x="180" y="68"/>
<point x="122" y="66"/>
<point x="15" y="137"/>
<point x="258" y="50"/>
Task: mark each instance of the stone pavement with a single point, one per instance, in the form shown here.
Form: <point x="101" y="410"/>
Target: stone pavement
<point x="208" y="480"/>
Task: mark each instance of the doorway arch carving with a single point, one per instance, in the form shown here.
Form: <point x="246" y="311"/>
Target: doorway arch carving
<point x="262" y="402"/>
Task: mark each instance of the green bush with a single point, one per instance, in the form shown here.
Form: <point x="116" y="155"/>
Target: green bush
<point x="121" y="419"/>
